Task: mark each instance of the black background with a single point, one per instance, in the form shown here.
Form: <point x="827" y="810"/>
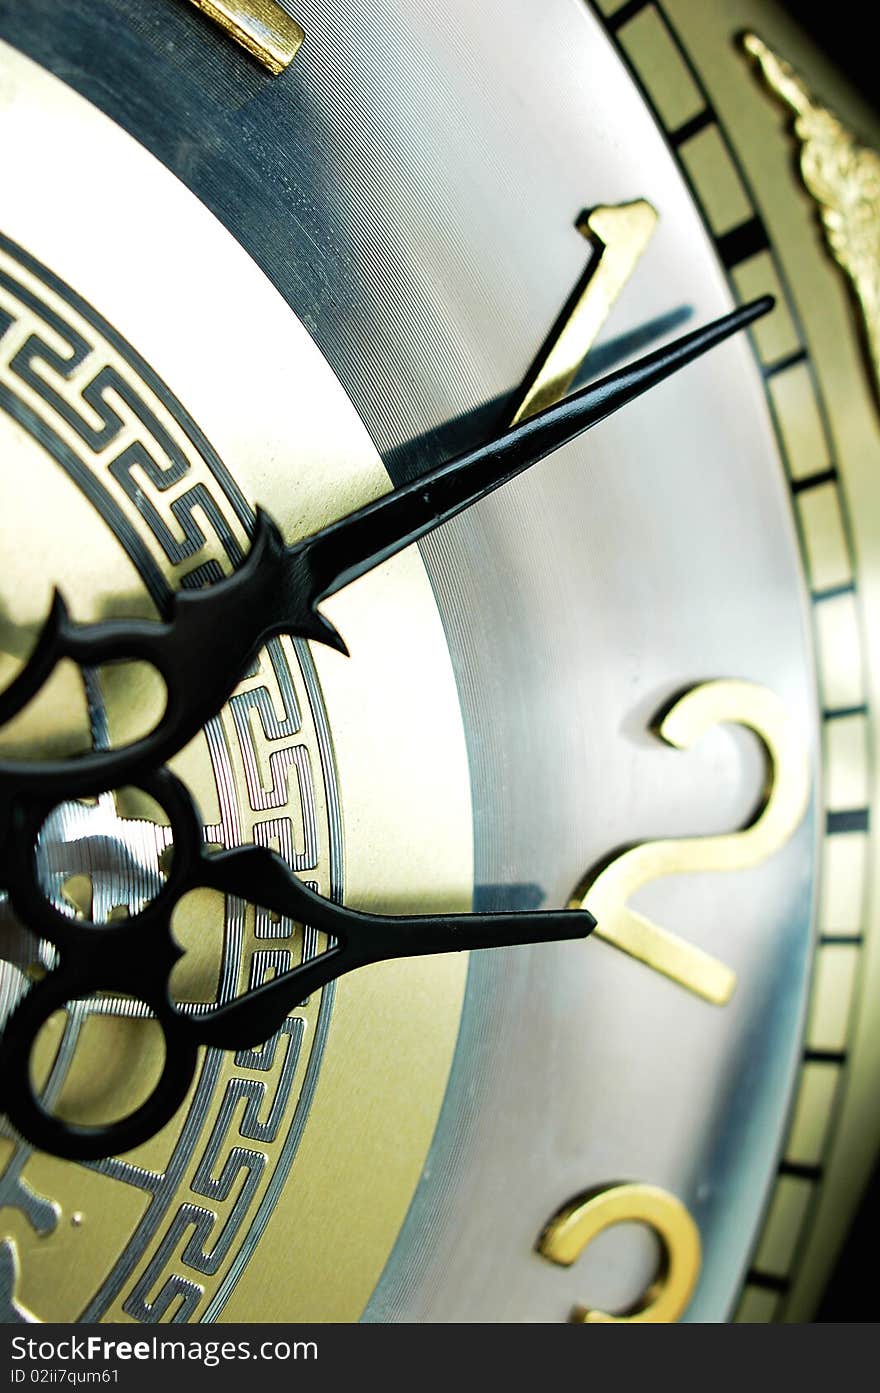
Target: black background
<point x="847" y="33"/>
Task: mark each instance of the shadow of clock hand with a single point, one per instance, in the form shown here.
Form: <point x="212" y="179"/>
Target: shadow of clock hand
<point x="415" y="457"/>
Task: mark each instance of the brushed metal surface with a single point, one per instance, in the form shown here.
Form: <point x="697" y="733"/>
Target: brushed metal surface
<point x="411" y="186"/>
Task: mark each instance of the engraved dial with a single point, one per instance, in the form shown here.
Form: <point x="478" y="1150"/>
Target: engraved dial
<point x="266" y="771"/>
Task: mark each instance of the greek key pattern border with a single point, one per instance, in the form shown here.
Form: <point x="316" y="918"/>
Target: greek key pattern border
<point x="88" y="399"/>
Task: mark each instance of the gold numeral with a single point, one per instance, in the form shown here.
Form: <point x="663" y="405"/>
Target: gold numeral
<point x="618" y="236"/>
<point x="579" y="1222"/>
<point x="606" y="892"/>
<point x="263" y="27"/>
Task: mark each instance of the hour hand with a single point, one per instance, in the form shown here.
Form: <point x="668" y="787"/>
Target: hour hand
<point x="259" y="876"/>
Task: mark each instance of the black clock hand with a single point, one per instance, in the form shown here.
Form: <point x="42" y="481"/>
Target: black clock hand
<point x="135" y="958"/>
<point x="347" y="549"/>
<point x="211" y="635"/>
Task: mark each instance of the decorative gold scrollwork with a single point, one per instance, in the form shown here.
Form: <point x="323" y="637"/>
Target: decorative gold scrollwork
<point x="843" y="176"/>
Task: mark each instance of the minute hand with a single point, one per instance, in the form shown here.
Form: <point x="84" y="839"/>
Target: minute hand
<point x="347" y="549"/>
<point x="211" y="636"/>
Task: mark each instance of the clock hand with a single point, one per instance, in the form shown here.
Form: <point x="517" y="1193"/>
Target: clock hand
<point x="347" y="549"/>
<point x="211" y="635"/>
<point x="136" y="956"/>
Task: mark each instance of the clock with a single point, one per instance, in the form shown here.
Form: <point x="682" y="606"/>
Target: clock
<point x="252" y="260"/>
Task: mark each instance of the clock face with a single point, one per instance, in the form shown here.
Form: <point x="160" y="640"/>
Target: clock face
<point x="597" y="687"/>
